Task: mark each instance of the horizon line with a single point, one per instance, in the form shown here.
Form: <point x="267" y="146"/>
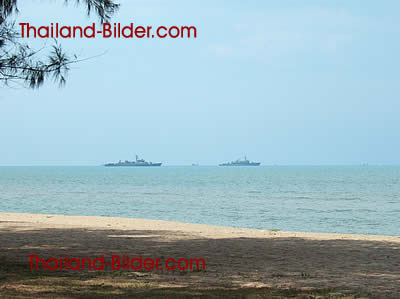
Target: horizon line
<point x="208" y="165"/>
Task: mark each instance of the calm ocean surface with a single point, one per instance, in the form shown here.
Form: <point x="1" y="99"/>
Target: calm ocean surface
<point x="345" y="199"/>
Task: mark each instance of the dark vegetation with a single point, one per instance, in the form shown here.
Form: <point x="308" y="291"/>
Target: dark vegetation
<point x="20" y="63"/>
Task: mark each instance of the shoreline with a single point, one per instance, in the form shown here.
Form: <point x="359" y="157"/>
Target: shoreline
<point x="205" y="230"/>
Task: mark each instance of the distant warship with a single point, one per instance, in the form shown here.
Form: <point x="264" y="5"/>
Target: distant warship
<point x="239" y="162"/>
<point x="138" y="162"/>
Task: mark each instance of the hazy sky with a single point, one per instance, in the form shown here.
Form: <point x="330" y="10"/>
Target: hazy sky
<point x="285" y="82"/>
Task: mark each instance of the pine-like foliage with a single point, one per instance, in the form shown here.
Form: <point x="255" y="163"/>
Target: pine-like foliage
<point x="21" y="63"/>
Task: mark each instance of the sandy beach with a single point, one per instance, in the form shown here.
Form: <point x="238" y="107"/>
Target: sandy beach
<point x="366" y="265"/>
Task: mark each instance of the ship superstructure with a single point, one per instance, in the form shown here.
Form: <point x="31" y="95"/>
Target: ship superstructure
<point x="240" y="162"/>
<point x="137" y="162"/>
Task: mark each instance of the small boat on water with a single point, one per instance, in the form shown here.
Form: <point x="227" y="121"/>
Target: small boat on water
<point x="137" y="162"/>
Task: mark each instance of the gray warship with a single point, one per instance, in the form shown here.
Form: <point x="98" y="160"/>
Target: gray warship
<point x="239" y="162"/>
<point x="137" y="162"/>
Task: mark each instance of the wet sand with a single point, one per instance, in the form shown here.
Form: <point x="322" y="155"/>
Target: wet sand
<point x="235" y="257"/>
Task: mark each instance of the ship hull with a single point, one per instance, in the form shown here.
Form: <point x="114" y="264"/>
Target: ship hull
<point x="133" y="165"/>
<point x="250" y="164"/>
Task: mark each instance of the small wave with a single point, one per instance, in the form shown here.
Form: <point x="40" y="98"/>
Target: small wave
<point x="365" y="210"/>
<point x="351" y="198"/>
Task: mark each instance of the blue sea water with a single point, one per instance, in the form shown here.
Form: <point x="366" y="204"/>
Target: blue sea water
<point x="337" y="199"/>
